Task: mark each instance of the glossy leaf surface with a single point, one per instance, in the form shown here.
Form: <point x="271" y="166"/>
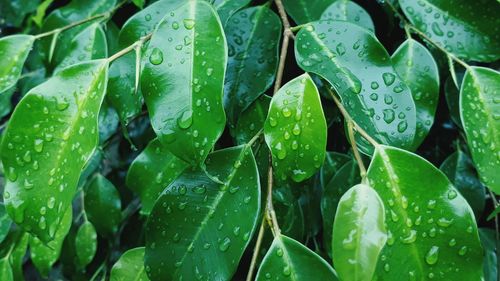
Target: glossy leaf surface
<point x="130" y="266"/>
<point x="468" y="29"/>
<point x="5" y="223"/>
<point x="418" y="69"/>
<point x="183" y="79"/>
<point x="431" y="228"/>
<point x="251" y="121"/>
<point x="13" y="51"/>
<point x="101" y="197"/>
<point x="479" y="112"/>
<point x="287" y="259"/>
<point x="348" y="10"/>
<point x="152" y="171"/>
<point x="359" y="233"/>
<point x="221" y="219"/>
<point x="360" y="70"/>
<point x="489" y="243"/>
<point x="253" y="35"/>
<point x="304" y="11"/>
<point x="6" y="270"/>
<point x="333" y="162"/>
<point x="85" y="243"/>
<point x="295" y="130"/>
<point x="44" y="160"/>
<point x="226" y="8"/>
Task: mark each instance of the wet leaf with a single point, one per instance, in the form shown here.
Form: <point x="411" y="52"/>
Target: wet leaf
<point x="197" y="224"/>
<point x="287" y="259"/>
<point x="85" y="243"/>
<point x="108" y="122"/>
<point x="470" y="30"/>
<point x="152" y="171"/>
<point x="253" y="36"/>
<point x="251" y="121"/>
<point x="360" y="70"/>
<point x="183" y="78"/>
<point x="480" y="114"/>
<point x="333" y="162"/>
<point x="5" y="223"/>
<point x="295" y="130"/>
<point x="6" y="270"/>
<point x="14" y="50"/>
<point x="13" y="12"/>
<point x="359" y="233"/>
<point x="51" y="135"/>
<point x="418" y="69"/>
<point x="490" y="256"/>
<point x="431" y="228"/>
<point x="452" y="96"/>
<point x="304" y="11"/>
<point x="347" y="10"/>
<point x="226" y="8"/>
<point x="130" y="266"/>
<point x="288" y="211"/>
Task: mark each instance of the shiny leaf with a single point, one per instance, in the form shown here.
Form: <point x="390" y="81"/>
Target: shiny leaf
<point x="85" y="243"/>
<point x="6" y="270"/>
<point x="130" y="266"/>
<point x="452" y="96"/>
<point x="489" y="243"/>
<point x="295" y="130"/>
<point x="347" y="10"/>
<point x="13" y="51"/>
<point x="304" y="11"/>
<point x="183" y="79"/>
<point x="251" y="121"/>
<point x="480" y="114"/>
<point x="5" y="223"/>
<point x="226" y="8"/>
<point x="253" y="35"/>
<point x="44" y="159"/>
<point x="333" y="162"/>
<point x="13" y="12"/>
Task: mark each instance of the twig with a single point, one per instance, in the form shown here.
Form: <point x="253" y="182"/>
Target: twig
<point x="131" y="47"/>
<point x="352" y="140"/>
<point x="255" y="254"/>
<point x="71" y="25"/>
<point x="287" y="33"/>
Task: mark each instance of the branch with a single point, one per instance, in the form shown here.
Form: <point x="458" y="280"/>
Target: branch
<point x="352" y="140"/>
<point x="255" y="254"/>
<point x="287" y="33"/>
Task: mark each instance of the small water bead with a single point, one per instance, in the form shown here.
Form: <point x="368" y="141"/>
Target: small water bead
<point x="188" y="23"/>
<point x="156" y="56"/>
<point x="224" y="244"/>
<point x="185" y="120"/>
<point x="388" y="78"/>
<point x="432" y="255"/>
<point x="462" y="251"/>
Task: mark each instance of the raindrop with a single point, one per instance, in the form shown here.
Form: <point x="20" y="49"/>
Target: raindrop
<point x="388" y="78"/>
<point x="156" y="57"/>
<point x="432" y="256"/>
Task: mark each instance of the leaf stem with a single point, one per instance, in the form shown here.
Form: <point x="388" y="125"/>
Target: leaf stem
<point x="255" y="254"/>
<point x="130" y="48"/>
<point x="497" y="228"/>
<point x="71" y="25"/>
<point x="256" y="137"/>
<point x="287" y="33"/>
<point x="352" y="140"/>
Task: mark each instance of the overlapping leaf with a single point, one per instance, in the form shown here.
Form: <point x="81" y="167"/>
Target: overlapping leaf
<point x="13" y="51"/>
<point x="348" y="10"/>
<point x="130" y="266"/>
<point x="226" y="8"/>
<point x="304" y="11"/>
<point x="251" y="121"/>
<point x="85" y="243"/>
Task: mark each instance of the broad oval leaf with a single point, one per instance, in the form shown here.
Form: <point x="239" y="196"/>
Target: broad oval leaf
<point x="13" y="51"/>
<point x="152" y="171"/>
<point x="287" y="259"/>
<point x="130" y="266"/>
<point x="226" y="8"/>
<point x="51" y="135"/>
<point x="197" y="225"/>
<point x="251" y="121"/>
<point x="6" y="270"/>
<point x="431" y="228"/>
<point x="85" y="243"/>
<point x="459" y="169"/>
<point x="348" y="10"/>
<point x="468" y="29"/>
<point x="252" y="36"/>
<point x="101" y="197"/>
<point x="183" y="78"/>
<point x="304" y="11"/>
<point x="480" y="115"/>
<point x="452" y="95"/>
<point x="5" y="223"/>
<point x="490" y="247"/>
<point x="361" y="72"/>
<point x="359" y="233"/>
<point x="418" y="69"/>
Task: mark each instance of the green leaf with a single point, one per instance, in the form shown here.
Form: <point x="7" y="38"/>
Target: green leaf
<point x="287" y="259"/>
<point x="253" y="36"/>
<point x="295" y="130"/>
<point x="359" y="233"/>
<point x="5" y="223"/>
<point x="40" y="12"/>
<point x="6" y="270"/>
<point x="360" y="70"/>
<point x="86" y="243"/>
<point x="468" y="29"/>
<point x="130" y="266"/>
<point x="153" y="170"/>
<point x="14" y="50"/>
<point x="431" y="228"/>
<point x="139" y="3"/>
<point x="452" y="96"/>
<point x="51" y="135"/>
<point x="347" y="176"/>
<point x="101" y="197"/>
<point x="183" y="78"/>
<point x="288" y="211"/>
<point x="480" y="114"/>
<point x="17" y="256"/>
<point x="460" y="171"/>
<point x="418" y="69"/>
<point x="44" y="256"/>
<point x="489" y="243"/>
<point x="347" y="10"/>
<point x="226" y="8"/>
<point x="333" y="162"/>
<point x="221" y="219"/>
<point x="494" y="213"/>
<point x="87" y="45"/>
<point x="6" y="101"/>
<point x="13" y="12"/>
<point x="108" y="122"/>
<point x="304" y="11"/>
<point x="251" y="121"/>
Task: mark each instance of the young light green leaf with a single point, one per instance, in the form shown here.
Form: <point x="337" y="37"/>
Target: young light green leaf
<point x="360" y="70"/>
<point x="221" y="219"/>
<point x="460" y="171"/>
<point x="295" y="130"/>
<point x="488" y="240"/>
<point x="40" y="12"/>
<point x="6" y="270"/>
<point x="5" y="223"/>
<point x="101" y="197"/>
<point x="152" y="171"/>
<point x="458" y="26"/>
<point x="347" y="10"/>
<point x="85" y="243"/>
<point x="287" y="259"/>
<point x="418" y="69"/>
<point x="44" y="256"/>
<point x="183" y="78"/>
<point x="359" y="233"/>
<point x="130" y="266"/>
<point x="226" y="8"/>
<point x="51" y="135"/>
<point x="431" y="228"/>
<point x="304" y="11"/>
<point x="480" y="115"/>
<point x="139" y="3"/>
<point x="253" y="35"/>
<point x="13" y="51"/>
<point x="251" y="121"/>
